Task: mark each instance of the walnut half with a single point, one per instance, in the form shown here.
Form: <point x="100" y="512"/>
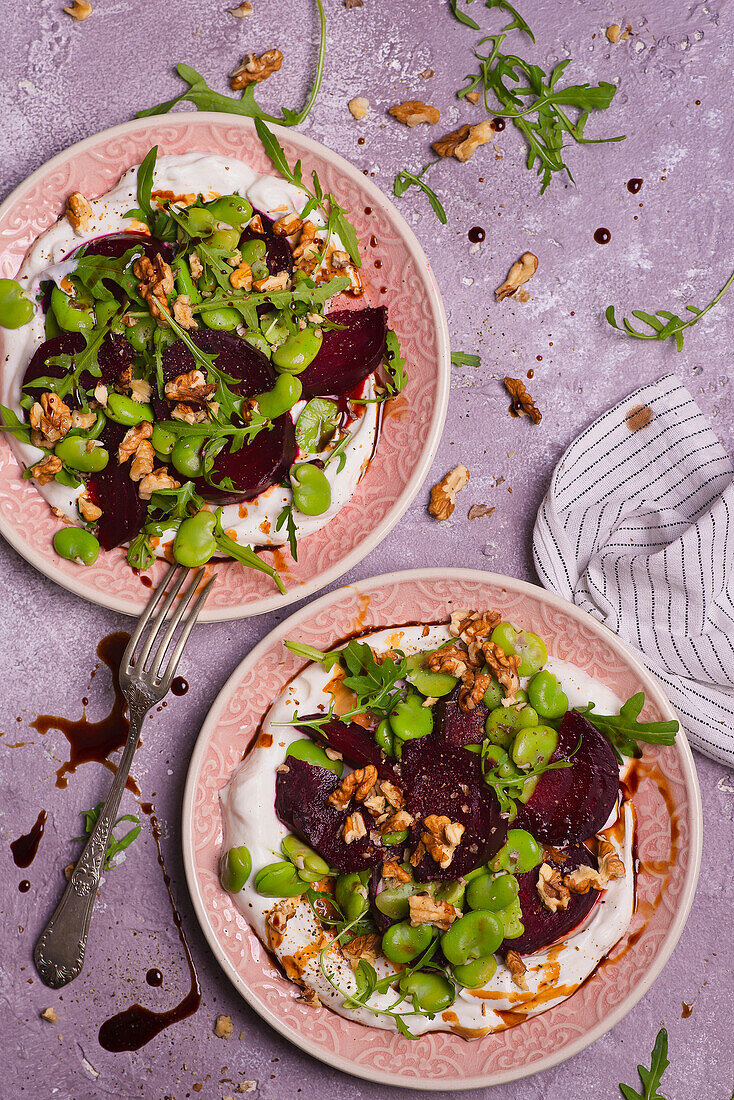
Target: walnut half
<point x="443" y="495"/>
<point x="551" y="890"/>
<point x="426" y="910"/>
<point x="414" y="111"/>
<point x="78" y="210"/>
<point x="522" y="402"/>
<point x="521" y="271"/>
<point x="253" y="69"/>
<point x="464" y="142"/>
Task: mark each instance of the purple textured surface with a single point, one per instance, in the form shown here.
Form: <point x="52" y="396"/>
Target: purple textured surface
<point x="65" y="80"/>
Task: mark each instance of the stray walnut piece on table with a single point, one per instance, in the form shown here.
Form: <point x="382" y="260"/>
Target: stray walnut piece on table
<point x="522" y="402"/>
<point x="253" y="69"/>
<point x="521" y="272"/>
<point x="465" y="141"/>
<point x="414" y="111"/>
<point x="443" y="495"/>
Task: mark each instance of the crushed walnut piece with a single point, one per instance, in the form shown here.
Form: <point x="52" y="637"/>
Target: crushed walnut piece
<point x="188" y="415"/>
<point x="223" y="1027"/>
<point x="443" y="495"/>
<point x="391" y="793"/>
<point x="357" y="785"/>
<point x="478" y="510"/>
<point x="474" y="627"/>
<point x="50" y="1015"/>
<point x="241" y="277"/>
<point x="272" y="282"/>
<point x="276" y="919"/>
<point x="441" y="837"/>
<point x="414" y="111"/>
<point x="504" y="667"/>
<point x="78" y="211"/>
<point x="449" y="659"/>
<point x="46" y="470"/>
<point x="190" y="387"/>
<point x="140" y="390"/>
<point x="365" y="947"/>
<point x="143" y="462"/>
<point x="195" y="266"/>
<point x="393" y="870"/>
<point x="182" y="312"/>
<point x="358" y="107"/>
<point x="584" y="878"/>
<point x="309" y="997"/>
<point x="471" y="693"/>
<point x="101" y="394"/>
<point x="156" y="283"/>
<point x="155" y="481"/>
<point x="242" y="10"/>
<point x="426" y="910"/>
<point x="50" y="417"/>
<point x="517" y="969"/>
<point x="79" y="10"/>
<point x="397" y="823"/>
<point x="87" y="509"/>
<point x="609" y="862"/>
<point x="132" y="439"/>
<point x="288" y="225"/>
<point x="354" y="828"/>
<point x="551" y="889"/>
<point x="307" y="251"/>
<point x="82" y="420"/>
<point x="253" y="69"/>
<point x="521" y="272"/>
<point x="464" y="142"/>
<point x="615" y="33"/>
<point x="349" y="4"/>
<point x="473" y="97"/>
<point x="522" y="402"/>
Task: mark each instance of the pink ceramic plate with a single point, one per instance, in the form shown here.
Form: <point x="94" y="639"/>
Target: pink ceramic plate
<point x="413" y="422"/>
<point x="669" y="837"/>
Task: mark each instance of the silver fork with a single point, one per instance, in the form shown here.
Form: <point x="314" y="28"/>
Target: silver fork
<point x="59" y="952"/>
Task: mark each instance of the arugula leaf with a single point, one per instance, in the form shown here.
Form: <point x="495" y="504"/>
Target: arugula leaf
<point x="665" y="324"/>
<point x="338" y="452"/>
<point x="623" y="730"/>
<point x="462" y="359"/>
<point x="406" y="179"/>
<point x="518" y="23"/>
<point x="286" y="516"/>
<point x="651" y="1077"/>
<point x="13" y="425"/>
<point x="394" y="365"/>
<point x="462" y="16"/>
<point x="309" y="653"/>
<point x="205" y="98"/>
<point x="114" y="846"/>
<point x="373" y="682"/>
<point x="145" y="212"/>
<point x="244" y="554"/>
<point x="140" y="553"/>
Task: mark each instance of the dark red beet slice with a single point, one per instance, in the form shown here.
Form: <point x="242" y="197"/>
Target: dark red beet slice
<point x="356" y="744"/>
<point x="123" y="512"/>
<point x="541" y="926"/>
<point x="440" y="778"/>
<point x="115" y="356"/>
<point x="454" y="725"/>
<point x="301" y="803"/>
<point x="348" y="355"/>
<point x="278" y="255"/>
<point x="571" y="804"/>
<point x="117" y="244"/>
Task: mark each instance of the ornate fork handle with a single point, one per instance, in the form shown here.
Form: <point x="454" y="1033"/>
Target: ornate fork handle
<point x="59" y="952"/>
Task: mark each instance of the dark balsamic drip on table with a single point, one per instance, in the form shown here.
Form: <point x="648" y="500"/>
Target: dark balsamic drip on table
<point x="498" y="124"/>
<point x="24" y="849"/>
<point x="179" y="686"/>
<point x="476" y="234"/>
<point x="634" y="185"/>
<point x="602" y="236"/>
<point x="24" y="886"/>
<point x="94" y="741"/>
<point x="137" y="1025"/>
<point x="531" y="373"/>
<point x="154" y="976"/>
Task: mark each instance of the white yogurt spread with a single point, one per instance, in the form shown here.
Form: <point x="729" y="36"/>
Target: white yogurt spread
<point x="249" y="818"/>
<point x="190" y="173"/>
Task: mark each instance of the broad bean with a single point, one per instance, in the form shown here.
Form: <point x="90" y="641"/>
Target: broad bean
<point x="475" y="974"/>
<point x="402" y="943"/>
<point x="284" y="395"/>
<point x="312" y="753"/>
<point x="15" y="309"/>
<point x="195" y="542"/>
<point x="279" y="880"/>
<point x="309" y="864"/>
<point x="235" y="868"/>
<point x="493" y="892"/>
<point x="311" y="489"/>
<point x="409" y="719"/>
<point x="433" y="992"/>
<point x="520" y="853"/>
<point x="231" y="209"/>
<point x="503" y="723"/>
<point x="350" y="893"/>
<point x="547" y="695"/>
<point x="530" y="648"/>
<point x="76" y="544"/>
<point x="298" y="351"/>
<point x="79" y="453"/>
<point x="72" y="314"/>
<point x="123" y="410"/>
<point x="473" y="936"/>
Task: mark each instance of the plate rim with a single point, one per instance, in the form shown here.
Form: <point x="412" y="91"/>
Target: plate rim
<point x="438" y="413"/>
<point x="576" y="1045"/>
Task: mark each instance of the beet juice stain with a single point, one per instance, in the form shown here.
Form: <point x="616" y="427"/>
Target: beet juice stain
<point x="24" y="849"/>
<point x="94" y="741"/>
<point x="137" y="1025"/>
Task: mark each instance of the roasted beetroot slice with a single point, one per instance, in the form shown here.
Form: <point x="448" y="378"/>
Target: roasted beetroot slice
<point x="347" y="355"/>
<point x="255" y="467"/>
<point x="123" y="512"/>
<point x="235" y="357"/>
<point x="278" y="255"/>
<point x="67" y="344"/>
<point x="301" y="803"/>
<point x="571" y="804"/>
<point x="541" y="926"/>
<point x="356" y="744"/>
<point x="117" y="244"/>
<point x="115" y="356"/>
<point x="454" y="725"/>
<point x="443" y="779"/>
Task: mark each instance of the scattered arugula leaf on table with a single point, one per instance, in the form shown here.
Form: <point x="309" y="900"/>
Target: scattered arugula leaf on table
<point x="651" y="1077"/>
<point x="664" y="324"/>
<point x="114" y="846"/>
<point x="623" y="730"/>
<point x="406" y="179"/>
<point x="463" y="359"/>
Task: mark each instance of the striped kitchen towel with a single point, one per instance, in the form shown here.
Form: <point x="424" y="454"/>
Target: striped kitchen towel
<point x="637" y="528"/>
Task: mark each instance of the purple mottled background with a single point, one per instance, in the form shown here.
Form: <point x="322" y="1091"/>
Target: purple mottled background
<point x="671" y="244"/>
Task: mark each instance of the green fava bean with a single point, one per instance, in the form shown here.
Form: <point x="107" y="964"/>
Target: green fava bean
<point x="201" y="221"/>
<point x="402" y="943"/>
<point x="309" y="864"/>
<point x="195" y="542"/>
<point x="123" y="410"/>
<point x="139" y="334"/>
<point x="384" y="738"/>
<point x="316" y="424"/>
<point x="281" y="399"/>
<point x="473" y="936"/>
<point x="452" y="892"/>
<point x="76" y="544"/>
<point x="498" y="759"/>
<point x="298" y="351"/>
<point x="253" y="251"/>
<point x="231" y="209"/>
<point x="256" y="340"/>
<point x="273" y="329"/>
<point x="431" y="684"/>
<point x="511" y="917"/>
<point x="503" y="723"/>
<point x="311" y="489"/>
<point x="493" y="892"/>
<point x="409" y="719"/>
<point x="51" y="326"/>
<point x="163" y="439"/>
<point x="72" y="314"/>
<point x="350" y="892"/>
<point x="221" y="320"/>
<point x="534" y="746"/>
<point x="530" y="648"/>
<point x="476" y="974"/>
<point x="15" y="309"/>
<point x="391" y="839"/>
<point x="227" y="239"/>
<point x="279" y="880"/>
<point x="312" y="753"/>
<point x="78" y="453"/>
<point x="520" y="853"/>
<point x="547" y="695"/>
<point x="393" y="901"/>
<point x="235" y="869"/>
<point x="494" y="694"/>
<point x="186" y="457"/>
<point x="433" y="992"/>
